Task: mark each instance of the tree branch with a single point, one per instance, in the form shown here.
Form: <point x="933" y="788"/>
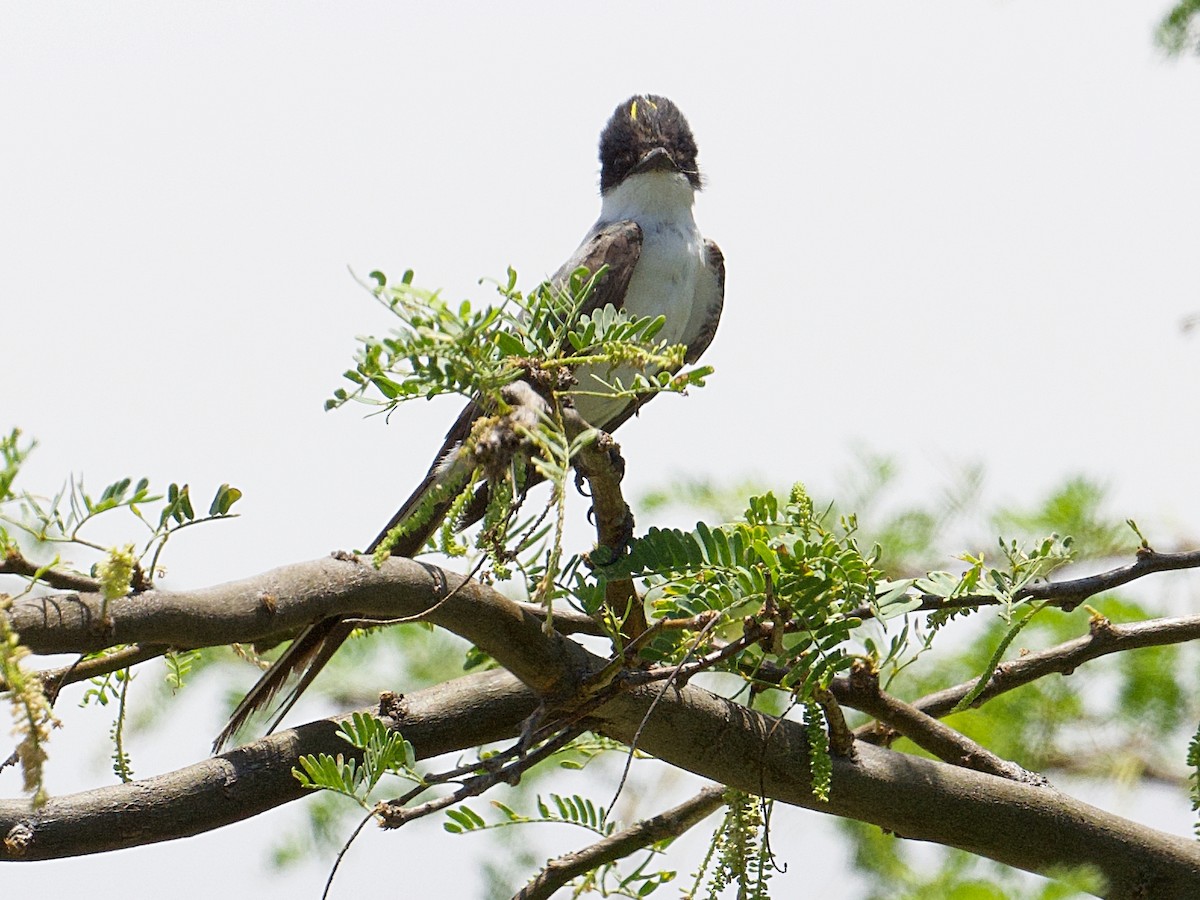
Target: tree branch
<point x="1066" y="594"/>
<point x="54" y="680"/>
<point x="14" y="563"/>
<point x="669" y="824"/>
<point x="1079" y="589"/>
<point x="1103" y="639"/>
<point x="925" y="731"/>
<point x="286" y="599"/>
<point x="1027" y="826"/>
<point x="1031" y="827"/>
<point x="467" y="712"/>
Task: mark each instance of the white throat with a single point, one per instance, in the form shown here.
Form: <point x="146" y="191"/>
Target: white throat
<point x="651" y="198"/>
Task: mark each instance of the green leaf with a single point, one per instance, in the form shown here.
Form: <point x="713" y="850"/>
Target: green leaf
<point x="1009" y="636"/>
<point x="508" y="344"/>
<point x="223" y="501"/>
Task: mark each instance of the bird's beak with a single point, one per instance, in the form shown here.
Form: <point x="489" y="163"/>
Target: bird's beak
<point x="657" y="160"/>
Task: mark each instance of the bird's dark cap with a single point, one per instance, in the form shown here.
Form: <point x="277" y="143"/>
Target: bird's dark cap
<point x="646" y="133"/>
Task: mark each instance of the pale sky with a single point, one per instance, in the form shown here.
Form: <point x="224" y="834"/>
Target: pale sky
<point x="954" y="232"/>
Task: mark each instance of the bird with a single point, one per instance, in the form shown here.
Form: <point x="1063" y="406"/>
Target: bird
<point x="658" y="264"/>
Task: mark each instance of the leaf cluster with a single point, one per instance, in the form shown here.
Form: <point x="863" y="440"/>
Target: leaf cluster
<point x="441" y="347"/>
<point x="1177" y="33"/>
<point x="780" y="566"/>
<point x="737" y="854"/>
<point x="563" y="810"/>
<point x="62" y="519"/>
<point x="382" y="752"/>
<point x="27" y="518"/>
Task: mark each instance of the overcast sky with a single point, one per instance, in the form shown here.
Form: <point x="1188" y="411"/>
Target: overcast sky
<point x="954" y="232"/>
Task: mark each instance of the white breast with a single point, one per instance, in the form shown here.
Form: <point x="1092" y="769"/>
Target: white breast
<point x="664" y="282"/>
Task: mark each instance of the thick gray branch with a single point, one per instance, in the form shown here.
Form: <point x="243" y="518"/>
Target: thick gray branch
<point x="462" y="713"/>
<point x="1027" y="826"/>
<point x="284" y="600"/>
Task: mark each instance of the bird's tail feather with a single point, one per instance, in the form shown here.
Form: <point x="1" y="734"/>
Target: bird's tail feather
<point x="315" y="646"/>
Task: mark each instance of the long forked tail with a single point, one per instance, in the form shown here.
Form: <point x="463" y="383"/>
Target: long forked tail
<point x="309" y="651"/>
<point x="618" y="246"/>
<point x="315" y="646"/>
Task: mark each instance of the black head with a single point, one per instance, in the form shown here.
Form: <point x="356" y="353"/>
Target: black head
<point x="639" y="127"/>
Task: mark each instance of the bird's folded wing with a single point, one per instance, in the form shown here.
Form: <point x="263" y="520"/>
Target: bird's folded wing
<point x="617" y="246"/>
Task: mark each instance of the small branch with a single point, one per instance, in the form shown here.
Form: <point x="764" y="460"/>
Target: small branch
<point x="54" y="680"/>
<point x="669" y="824"/>
<point x="14" y="563"/>
<point x="927" y="732"/>
<point x="1066" y="594"/>
<point x="682" y="672"/>
<point x="1079" y="589"/>
<point x="841" y="738"/>
<point x="1104" y="638"/>
<point x="393" y="814"/>
<point x="566" y="620"/>
<point x="57" y="679"/>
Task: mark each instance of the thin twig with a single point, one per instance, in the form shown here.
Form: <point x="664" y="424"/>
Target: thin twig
<point x="841" y="738"/>
<point x="672" y="823"/>
<point x="393" y="815"/>
<point x="566" y="620"/>
<point x="686" y="670"/>
<point x="1104" y="638"/>
<point x="653" y="704"/>
<point x="14" y="563"/>
<point x="1065" y="594"/>
<point x="342" y="853"/>
<point x="54" y="680"/>
<point x="82" y="669"/>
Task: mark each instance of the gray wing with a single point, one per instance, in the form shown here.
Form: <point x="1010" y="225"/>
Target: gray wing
<point x="617" y="246"/>
<point x="710" y="300"/>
